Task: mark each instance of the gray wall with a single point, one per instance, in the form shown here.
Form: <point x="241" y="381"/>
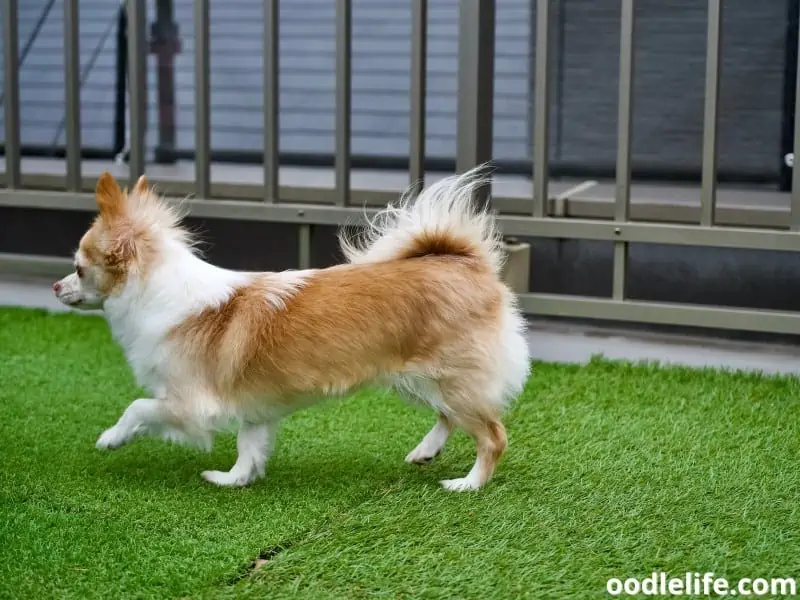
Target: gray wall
<point x="668" y="96"/>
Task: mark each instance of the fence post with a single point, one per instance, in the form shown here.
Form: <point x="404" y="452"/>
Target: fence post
<point x="121" y="87"/>
<point x="344" y="83"/>
<point x="72" y="92"/>
<point x="541" y="115"/>
<point x="202" y="101"/>
<point x="165" y="44"/>
<point x="419" y="74"/>
<point x="622" y="201"/>
<point x="475" y="86"/>
<point x="137" y="86"/>
<point x="11" y="93"/>
<point x="789" y="88"/>
<point x="271" y="100"/>
<point x="708" y="190"/>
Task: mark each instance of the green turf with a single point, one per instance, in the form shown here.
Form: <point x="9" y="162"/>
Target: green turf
<point x="613" y="470"/>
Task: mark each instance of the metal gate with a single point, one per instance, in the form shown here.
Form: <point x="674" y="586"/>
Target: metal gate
<point x="542" y="215"/>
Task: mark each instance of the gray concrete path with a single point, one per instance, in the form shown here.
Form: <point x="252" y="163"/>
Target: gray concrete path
<point x="558" y="343"/>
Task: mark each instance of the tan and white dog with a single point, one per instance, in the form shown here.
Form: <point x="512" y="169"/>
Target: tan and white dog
<point x="418" y="307"/>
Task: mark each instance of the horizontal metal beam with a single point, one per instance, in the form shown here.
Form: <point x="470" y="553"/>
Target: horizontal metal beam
<point x="652" y="233"/>
<point x="213" y="209"/>
<point x="325" y="214"/>
<point x="578" y="203"/>
<point x="659" y="313"/>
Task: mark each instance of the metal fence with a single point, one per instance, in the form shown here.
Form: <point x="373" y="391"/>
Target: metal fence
<point x="308" y="207"/>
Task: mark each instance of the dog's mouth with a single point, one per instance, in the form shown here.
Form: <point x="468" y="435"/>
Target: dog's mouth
<point x="73" y="300"/>
<point x="80" y="302"/>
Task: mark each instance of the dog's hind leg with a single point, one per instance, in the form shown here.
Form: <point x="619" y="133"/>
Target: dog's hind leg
<point x="470" y="407"/>
<point x="491" y="441"/>
<point x="425" y="390"/>
<point x="433" y="443"/>
<point x="254" y="444"/>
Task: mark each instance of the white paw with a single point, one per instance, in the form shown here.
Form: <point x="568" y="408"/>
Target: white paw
<point x="112" y="439"/>
<point x="422" y="454"/>
<point x="459" y="485"/>
<point x="228" y="478"/>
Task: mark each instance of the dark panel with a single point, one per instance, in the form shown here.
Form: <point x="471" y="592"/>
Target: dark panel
<point x="325" y="250"/>
<point x="247" y="245"/>
<point x="570" y="267"/>
<point x="42" y="232"/>
<point x="714" y="276"/>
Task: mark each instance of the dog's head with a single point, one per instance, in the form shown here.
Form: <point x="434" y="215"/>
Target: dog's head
<point x="126" y="239"/>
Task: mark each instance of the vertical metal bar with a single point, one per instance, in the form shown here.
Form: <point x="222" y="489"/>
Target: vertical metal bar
<point x="121" y="85"/>
<point x="271" y="99"/>
<point x="541" y="121"/>
<point x="202" y="100"/>
<point x="788" y="103"/>
<point x="795" y="204"/>
<point x="708" y="193"/>
<point x="11" y="93"/>
<point x="344" y="41"/>
<point x="624" y="134"/>
<point x="137" y="86"/>
<point x="419" y="49"/>
<point x="304" y="246"/>
<point x="72" y="87"/>
<point x="165" y="45"/>
<point x="475" y="86"/>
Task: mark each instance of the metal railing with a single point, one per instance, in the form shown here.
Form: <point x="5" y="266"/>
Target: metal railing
<point x="308" y="207"/>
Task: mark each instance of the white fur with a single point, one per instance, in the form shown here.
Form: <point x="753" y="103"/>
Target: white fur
<point x="444" y="206"/>
<point x="284" y="284"/>
<point x="145" y="416"/>
<point x="431" y="445"/>
<point x="254" y="443"/>
<point x="144" y="312"/>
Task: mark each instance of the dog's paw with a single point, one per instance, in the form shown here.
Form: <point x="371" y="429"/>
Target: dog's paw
<point x="228" y="478"/>
<point x="464" y="484"/>
<point x="422" y="454"/>
<point x="111" y="439"/>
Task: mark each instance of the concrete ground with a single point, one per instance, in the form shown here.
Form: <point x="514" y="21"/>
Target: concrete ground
<point x="558" y="342"/>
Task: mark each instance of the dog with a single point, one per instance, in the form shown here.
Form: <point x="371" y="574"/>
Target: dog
<point x="418" y="307"/>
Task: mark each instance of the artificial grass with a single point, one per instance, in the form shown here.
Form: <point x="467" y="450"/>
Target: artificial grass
<point x="613" y="470"/>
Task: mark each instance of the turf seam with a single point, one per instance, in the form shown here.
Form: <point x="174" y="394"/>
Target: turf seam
<point x="250" y="570"/>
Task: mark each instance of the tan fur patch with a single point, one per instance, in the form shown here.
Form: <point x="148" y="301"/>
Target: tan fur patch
<point x="335" y="332"/>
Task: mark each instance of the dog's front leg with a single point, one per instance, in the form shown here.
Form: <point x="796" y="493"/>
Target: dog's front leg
<point x="254" y="443"/>
<point x="144" y="415"/>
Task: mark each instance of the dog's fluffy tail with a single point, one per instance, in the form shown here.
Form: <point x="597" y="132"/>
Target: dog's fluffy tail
<point x="442" y="220"/>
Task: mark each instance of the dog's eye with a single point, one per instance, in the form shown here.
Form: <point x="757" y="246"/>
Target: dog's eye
<point x="79" y="270"/>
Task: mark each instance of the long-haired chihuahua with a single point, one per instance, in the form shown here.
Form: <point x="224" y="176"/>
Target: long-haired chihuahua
<point x="419" y="306"/>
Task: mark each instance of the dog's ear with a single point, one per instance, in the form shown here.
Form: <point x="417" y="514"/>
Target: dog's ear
<point x="142" y="185"/>
<point x="109" y="196"/>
